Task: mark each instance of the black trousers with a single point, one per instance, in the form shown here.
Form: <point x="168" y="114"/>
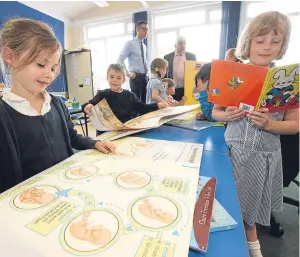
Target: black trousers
<point x="179" y="93"/>
<point x="138" y="85"/>
<point x="290" y="157"/>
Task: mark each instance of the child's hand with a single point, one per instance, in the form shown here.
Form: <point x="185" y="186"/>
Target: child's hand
<point x="105" y="147"/>
<point x="132" y="75"/>
<point x="200" y="116"/>
<point x="260" y="118"/>
<point x="233" y="113"/>
<point x="171" y="103"/>
<point x="88" y="109"/>
<point x="162" y="105"/>
<point x="201" y="86"/>
<point x="183" y="99"/>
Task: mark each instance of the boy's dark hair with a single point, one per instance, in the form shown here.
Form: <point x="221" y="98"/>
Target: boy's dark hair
<point x="141" y="23"/>
<point x="204" y="73"/>
<point x="116" y="66"/>
<point x="170" y="82"/>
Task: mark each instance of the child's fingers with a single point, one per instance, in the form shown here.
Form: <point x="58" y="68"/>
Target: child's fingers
<point x="263" y="110"/>
<point x="110" y="147"/>
<point x="231" y="108"/>
<point x="235" y="116"/>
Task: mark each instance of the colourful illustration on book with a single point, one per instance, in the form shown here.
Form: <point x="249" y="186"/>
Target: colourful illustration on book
<point x="80" y="172"/>
<point x="282" y="90"/>
<point x="154" y="212"/>
<point x="235" y="82"/>
<point x="124" y="153"/>
<point x="91" y="230"/>
<point x="194" y="124"/>
<point x="35" y="197"/>
<point x="142" y="143"/>
<point x="255" y="87"/>
<point x="133" y="179"/>
<point x="95" y="234"/>
<point x="104" y="119"/>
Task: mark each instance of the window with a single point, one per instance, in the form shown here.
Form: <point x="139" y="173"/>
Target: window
<point x="106" y="41"/>
<point x="252" y="9"/>
<point x="200" y="25"/>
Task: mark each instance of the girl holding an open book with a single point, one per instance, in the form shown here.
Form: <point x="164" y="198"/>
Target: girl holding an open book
<point x="253" y="138"/>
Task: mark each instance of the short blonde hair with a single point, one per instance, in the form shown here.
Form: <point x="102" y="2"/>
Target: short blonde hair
<point x="260" y="26"/>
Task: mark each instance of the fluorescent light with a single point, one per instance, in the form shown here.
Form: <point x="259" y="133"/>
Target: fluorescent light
<point x="145" y="4"/>
<point x="101" y="3"/>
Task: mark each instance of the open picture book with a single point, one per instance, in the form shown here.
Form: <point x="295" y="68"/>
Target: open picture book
<point x="253" y="87"/>
<point x="104" y="119"/>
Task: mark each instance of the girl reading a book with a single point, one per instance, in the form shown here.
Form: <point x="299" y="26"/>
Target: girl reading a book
<point x="253" y="138"/>
<point x="156" y="91"/>
<point x="36" y="131"/>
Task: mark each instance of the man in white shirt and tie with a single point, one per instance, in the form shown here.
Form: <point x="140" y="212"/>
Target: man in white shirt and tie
<point x="136" y="52"/>
<point x="176" y="62"/>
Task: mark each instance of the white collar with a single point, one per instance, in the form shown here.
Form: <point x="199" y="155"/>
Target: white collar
<point x="22" y="105"/>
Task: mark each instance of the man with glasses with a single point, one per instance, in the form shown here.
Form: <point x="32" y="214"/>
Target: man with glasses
<point x="176" y="62"/>
<point x="136" y="52"/>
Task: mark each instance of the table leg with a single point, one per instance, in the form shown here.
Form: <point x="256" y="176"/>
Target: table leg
<point x="86" y="125"/>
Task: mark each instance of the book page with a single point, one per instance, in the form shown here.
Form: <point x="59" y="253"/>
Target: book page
<point x="104" y="119"/>
<point x="105" y="205"/>
<point x="281" y="89"/>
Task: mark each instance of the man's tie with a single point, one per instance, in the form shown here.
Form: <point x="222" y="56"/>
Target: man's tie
<point x="144" y="63"/>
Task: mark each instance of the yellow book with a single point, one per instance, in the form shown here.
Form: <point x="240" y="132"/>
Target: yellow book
<point x="281" y="89"/>
<point x="191" y="68"/>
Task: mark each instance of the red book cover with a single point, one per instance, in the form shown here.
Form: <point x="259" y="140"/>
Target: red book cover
<point x="232" y="83"/>
<point x="252" y="87"/>
<point x="203" y="214"/>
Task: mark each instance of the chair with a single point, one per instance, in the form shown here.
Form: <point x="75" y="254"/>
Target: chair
<point x="78" y="119"/>
<point x="290" y="163"/>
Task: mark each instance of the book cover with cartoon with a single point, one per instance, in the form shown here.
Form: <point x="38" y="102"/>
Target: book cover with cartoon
<point x="281" y="89"/>
<point x="233" y="83"/>
<point x="252" y="87"/>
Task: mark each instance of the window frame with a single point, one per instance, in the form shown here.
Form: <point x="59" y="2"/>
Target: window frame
<point x="210" y="6"/>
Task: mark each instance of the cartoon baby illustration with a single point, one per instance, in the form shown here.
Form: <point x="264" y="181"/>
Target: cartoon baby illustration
<point x="96" y="235"/>
<point x="235" y="82"/>
<point x="154" y="212"/>
<point x="36" y="196"/>
<point x="282" y="88"/>
<point x="133" y="179"/>
<point x="81" y="172"/>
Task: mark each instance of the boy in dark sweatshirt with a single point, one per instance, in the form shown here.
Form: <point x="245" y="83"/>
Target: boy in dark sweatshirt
<point x="122" y="102"/>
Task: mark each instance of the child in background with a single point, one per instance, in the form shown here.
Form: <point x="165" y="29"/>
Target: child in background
<point x="230" y="55"/>
<point x="122" y="102"/>
<point x="156" y="92"/>
<point x="36" y="129"/>
<point x="253" y="139"/>
<point x="202" y="83"/>
<point x="170" y="90"/>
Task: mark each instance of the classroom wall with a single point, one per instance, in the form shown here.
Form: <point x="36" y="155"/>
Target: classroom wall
<point x="14" y="9"/>
<point x="74" y="36"/>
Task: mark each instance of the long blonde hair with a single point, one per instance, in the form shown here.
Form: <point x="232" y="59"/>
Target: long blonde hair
<point x="260" y="26"/>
